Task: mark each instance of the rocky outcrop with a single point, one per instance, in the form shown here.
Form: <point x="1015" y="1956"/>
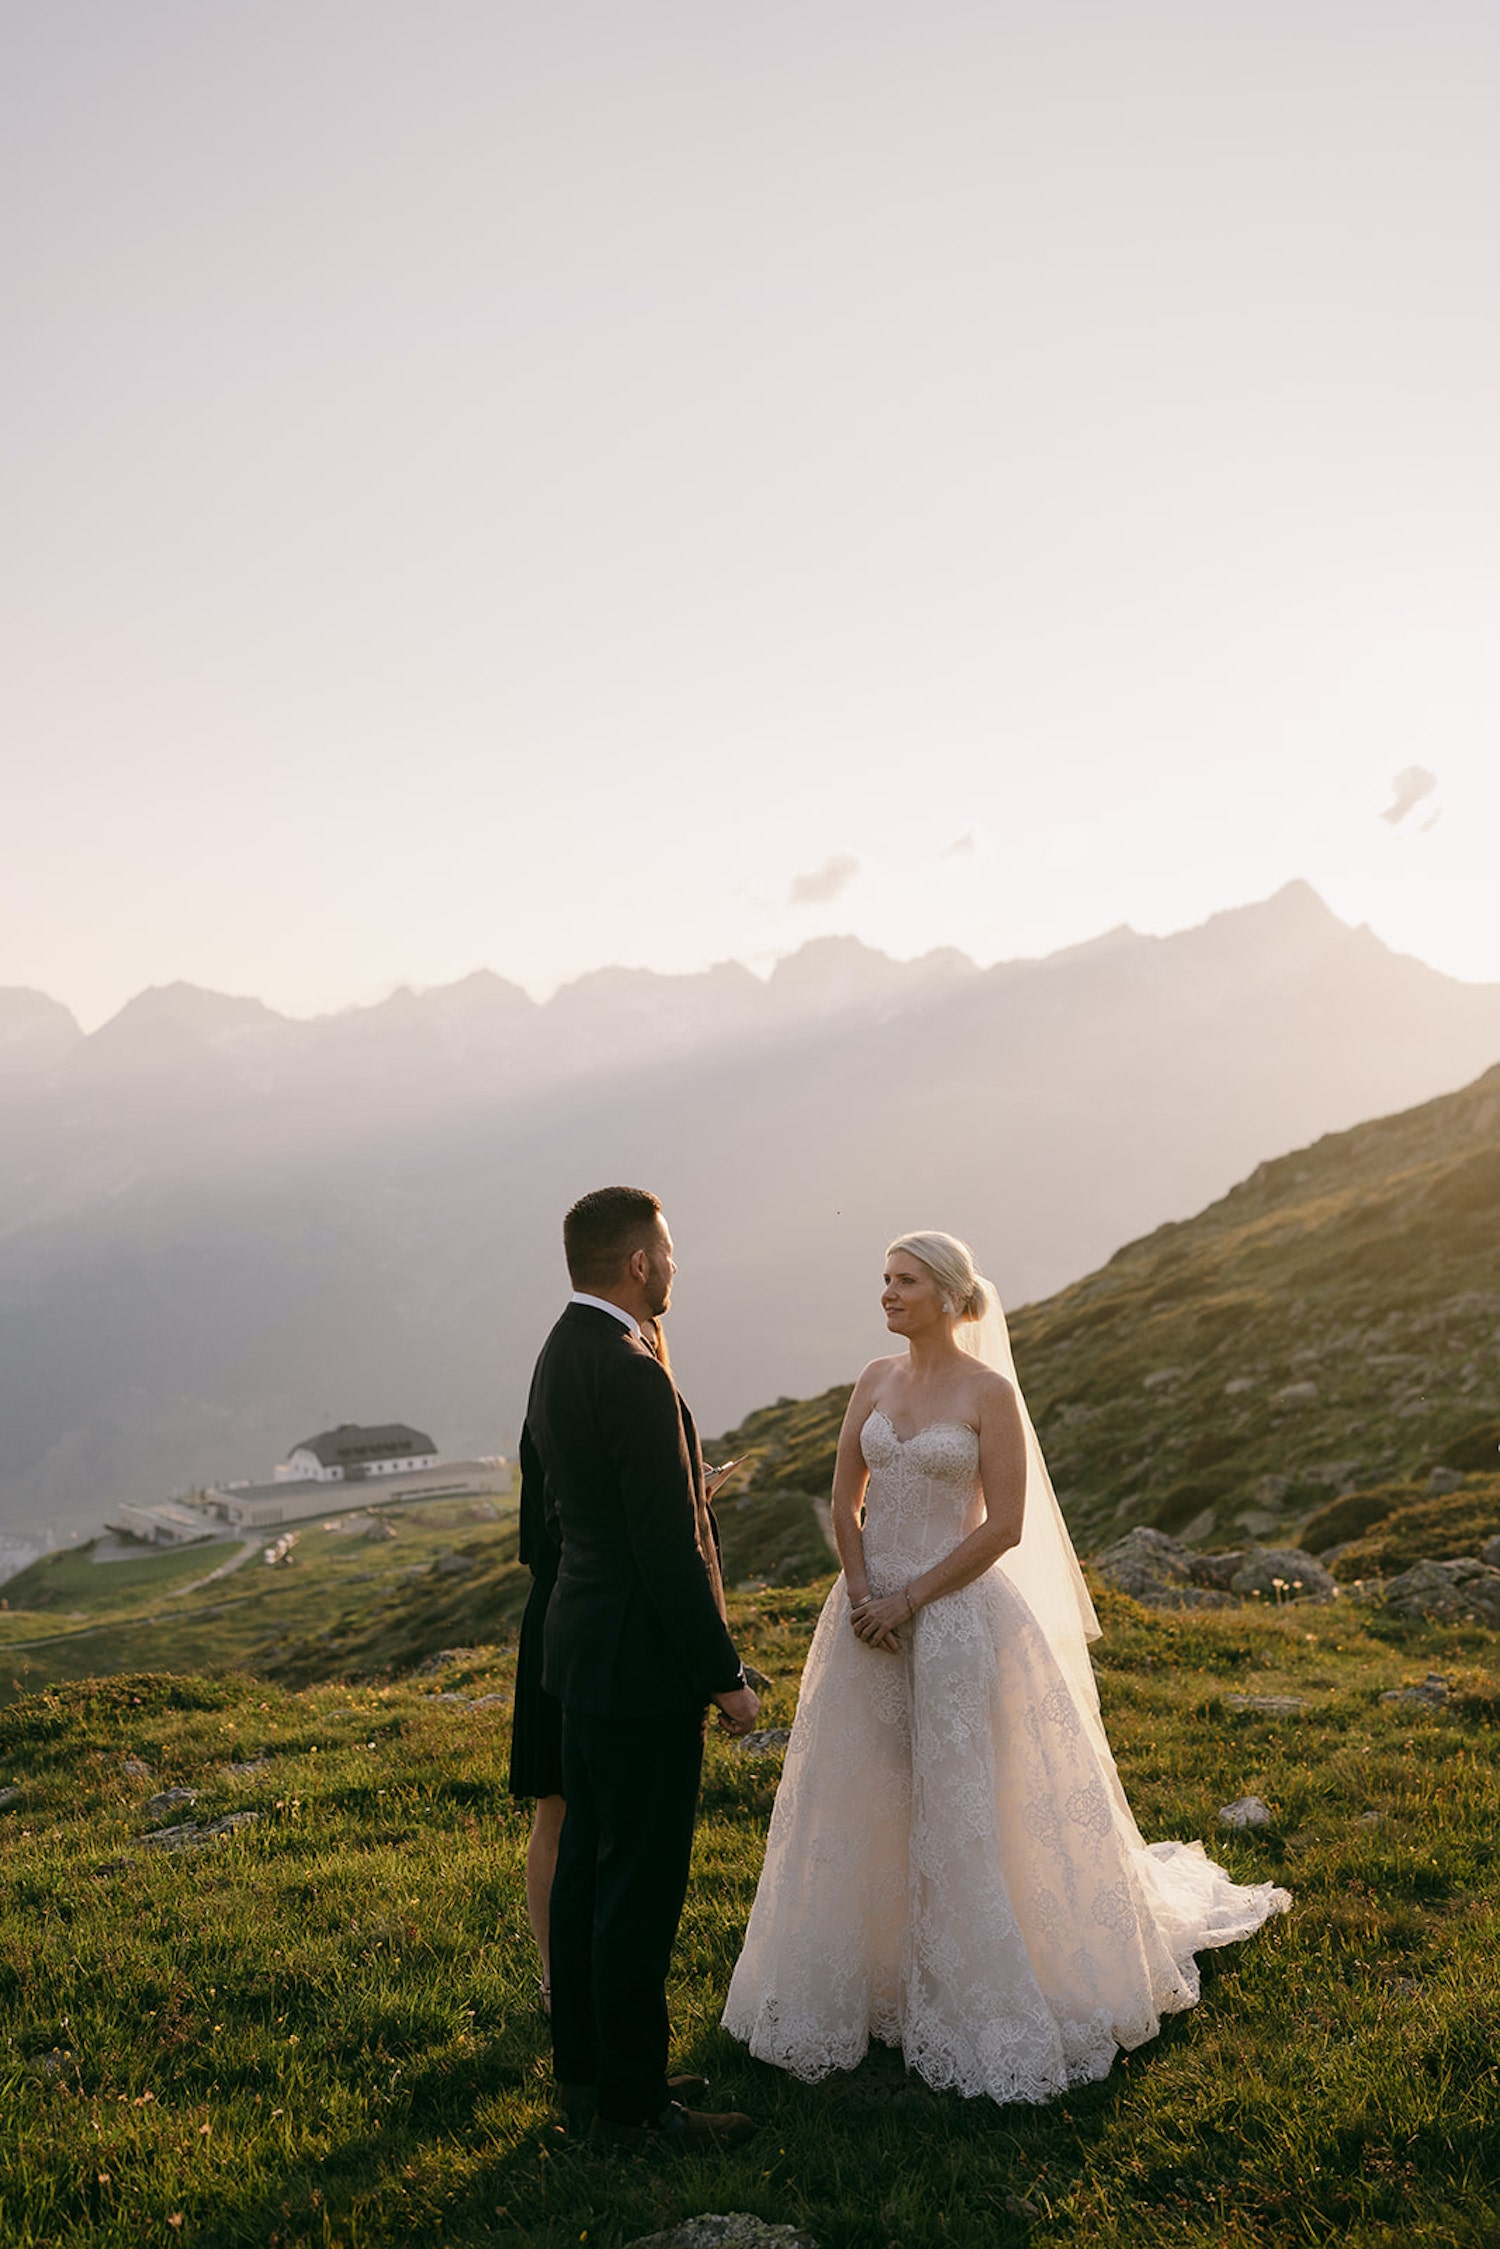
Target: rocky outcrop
<point x="1466" y="1591"/>
<point x="1158" y="1570"/>
<point x="1165" y="1574"/>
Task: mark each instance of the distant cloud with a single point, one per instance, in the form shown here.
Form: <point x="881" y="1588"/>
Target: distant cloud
<point x="1410" y="786"/>
<point x="962" y="847"/>
<point x="824" y="883"/>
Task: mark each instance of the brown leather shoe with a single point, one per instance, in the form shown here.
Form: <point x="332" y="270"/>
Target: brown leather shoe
<point x="677" y="2131"/>
<point x="578" y="2102"/>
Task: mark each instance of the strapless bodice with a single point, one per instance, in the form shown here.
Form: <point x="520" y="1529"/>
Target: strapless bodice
<point x="922" y="1497"/>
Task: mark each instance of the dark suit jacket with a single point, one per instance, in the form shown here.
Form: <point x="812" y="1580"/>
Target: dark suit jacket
<point x="633" y="1625"/>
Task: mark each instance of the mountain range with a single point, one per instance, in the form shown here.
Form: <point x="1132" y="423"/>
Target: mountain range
<point x="221" y="1228"/>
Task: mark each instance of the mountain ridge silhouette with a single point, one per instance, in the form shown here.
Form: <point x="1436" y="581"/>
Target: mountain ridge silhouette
<point x="218" y="1224"/>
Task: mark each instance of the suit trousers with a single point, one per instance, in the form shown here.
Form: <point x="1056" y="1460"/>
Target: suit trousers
<point x="631" y="1787"/>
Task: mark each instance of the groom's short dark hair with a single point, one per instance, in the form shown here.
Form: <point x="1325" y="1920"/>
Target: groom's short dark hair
<point x="604" y="1230"/>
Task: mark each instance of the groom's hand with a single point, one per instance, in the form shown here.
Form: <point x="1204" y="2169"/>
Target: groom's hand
<point x="738" y="1710"/>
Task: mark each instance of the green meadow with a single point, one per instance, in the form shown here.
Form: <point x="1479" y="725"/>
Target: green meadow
<point x="319" y="2029"/>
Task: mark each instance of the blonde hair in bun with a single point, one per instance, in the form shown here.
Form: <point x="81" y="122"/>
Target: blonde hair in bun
<point x="951" y="1264"/>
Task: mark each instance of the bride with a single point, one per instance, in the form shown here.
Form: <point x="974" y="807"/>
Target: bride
<point x="952" y="1866"/>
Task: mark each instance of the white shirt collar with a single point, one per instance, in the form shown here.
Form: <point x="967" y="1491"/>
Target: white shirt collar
<point x="602" y="1304"/>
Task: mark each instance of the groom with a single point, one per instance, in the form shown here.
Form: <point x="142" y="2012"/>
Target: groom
<point x="635" y="1647"/>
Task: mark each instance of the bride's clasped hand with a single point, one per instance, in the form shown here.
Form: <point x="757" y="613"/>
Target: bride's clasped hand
<point x="952" y="1867"/>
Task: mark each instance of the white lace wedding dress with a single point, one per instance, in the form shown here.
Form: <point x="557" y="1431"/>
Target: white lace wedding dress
<point x="952" y="1867"/>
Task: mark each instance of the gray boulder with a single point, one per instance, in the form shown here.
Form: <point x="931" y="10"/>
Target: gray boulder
<point x="1158" y="1570"/>
<point x="1466" y="1591"/>
<point x="1444" y="1480"/>
<point x="1217" y="1570"/>
<point x="1282" y="1573"/>
<point x="1490" y="1552"/>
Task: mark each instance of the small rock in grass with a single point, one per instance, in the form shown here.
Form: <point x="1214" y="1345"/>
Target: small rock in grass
<point x="249" y="1769"/>
<point x="9" y="1796"/>
<point x="172" y="1838"/>
<point x="767" y="1738"/>
<point x="1245" y="1811"/>
<point x="1433" y="1691"/>
<point x="135" y="1768"/>
<point x="1444" y="1480"/>
<point x="1272" y="1706"/>
<point x="737" y="2230"/>
<point x="189" y="1836"/>
<point x="168" y="1800"/>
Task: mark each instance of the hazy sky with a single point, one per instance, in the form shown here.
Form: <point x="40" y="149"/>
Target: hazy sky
<point x="537" y="485"/>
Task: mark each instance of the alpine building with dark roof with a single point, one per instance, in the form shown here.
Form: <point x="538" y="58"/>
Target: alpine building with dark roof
<point x="355" y="1450"/>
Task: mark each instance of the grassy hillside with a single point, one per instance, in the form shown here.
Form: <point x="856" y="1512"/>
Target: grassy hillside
<point x="1333" y="1323"/>
<point x="348" y="1606"/>
<point x="1389" y="1529"/>
<point x="347" y="1603"/>
<point x="320" y="2030"/>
